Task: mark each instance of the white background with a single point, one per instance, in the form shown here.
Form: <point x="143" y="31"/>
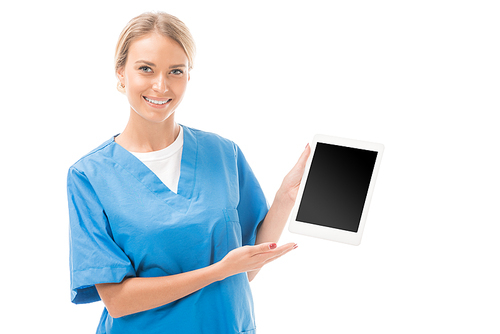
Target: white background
<point x="421" y="77"/>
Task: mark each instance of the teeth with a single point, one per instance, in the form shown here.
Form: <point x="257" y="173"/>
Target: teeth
<point x="156" y="102"/>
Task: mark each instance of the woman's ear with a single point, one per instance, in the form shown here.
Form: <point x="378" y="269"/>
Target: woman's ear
<point x="121" y="77"/>
<point x="121" y="80"/>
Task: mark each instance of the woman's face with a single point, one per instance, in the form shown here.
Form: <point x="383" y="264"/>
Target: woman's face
<point x="155" y="76"/>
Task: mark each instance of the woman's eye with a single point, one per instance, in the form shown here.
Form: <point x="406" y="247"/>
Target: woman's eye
<point x="145" y="69"/>
<point x="177" y="71"/>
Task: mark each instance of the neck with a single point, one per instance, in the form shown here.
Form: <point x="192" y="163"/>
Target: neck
<point x="143" y="136"/>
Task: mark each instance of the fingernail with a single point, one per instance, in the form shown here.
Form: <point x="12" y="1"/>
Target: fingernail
<point x="295" y="246"/>
<point x="272" y="246"/>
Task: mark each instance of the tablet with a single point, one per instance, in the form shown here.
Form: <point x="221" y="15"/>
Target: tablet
<point x="336" y="189"/>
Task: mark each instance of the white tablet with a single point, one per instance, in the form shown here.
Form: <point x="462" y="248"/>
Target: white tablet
<point x="336" y="188"/>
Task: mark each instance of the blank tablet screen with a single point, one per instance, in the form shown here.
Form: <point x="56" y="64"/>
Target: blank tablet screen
<point x="336" y="187"/>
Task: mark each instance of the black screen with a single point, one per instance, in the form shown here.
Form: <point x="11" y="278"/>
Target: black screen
<point x="336" y="187"/>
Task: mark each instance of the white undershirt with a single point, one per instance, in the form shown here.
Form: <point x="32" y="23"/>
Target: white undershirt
<point x="165" y="163"/>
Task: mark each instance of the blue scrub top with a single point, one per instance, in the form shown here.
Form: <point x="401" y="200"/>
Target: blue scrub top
<point x="124" y="222"/>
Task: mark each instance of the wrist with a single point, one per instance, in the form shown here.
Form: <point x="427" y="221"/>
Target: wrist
<point x="284" y="200"/>
<point x="220" y="270"/>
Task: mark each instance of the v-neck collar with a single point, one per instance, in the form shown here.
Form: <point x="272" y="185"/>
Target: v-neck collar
<point x="148" y="178"/>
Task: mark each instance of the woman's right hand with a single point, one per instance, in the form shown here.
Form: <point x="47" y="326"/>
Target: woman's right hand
<point x="137" y="294"/>
<point x="250" y="258"/>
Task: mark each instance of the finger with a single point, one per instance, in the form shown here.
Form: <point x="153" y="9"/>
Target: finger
<point x="301" y="163"/>
<point x="264" y="247"/>
<point x="296" y="172"/>
<point x="277" y="255"/>
<point x="286" y="246"/>
<point x="269" y="247"/>
<point x="282" y="250"/>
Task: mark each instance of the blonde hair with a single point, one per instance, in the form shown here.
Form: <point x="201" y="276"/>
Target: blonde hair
<point x="160" y="22"/>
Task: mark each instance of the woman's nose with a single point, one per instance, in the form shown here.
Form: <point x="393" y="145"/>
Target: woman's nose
<point x="160" y="84"/>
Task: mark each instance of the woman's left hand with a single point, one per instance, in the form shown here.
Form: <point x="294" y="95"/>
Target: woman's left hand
<point x="271" y="228"/>
<point x="290" y="185"/>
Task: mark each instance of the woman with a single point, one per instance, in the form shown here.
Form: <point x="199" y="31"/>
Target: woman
<point x="168" y="224"/>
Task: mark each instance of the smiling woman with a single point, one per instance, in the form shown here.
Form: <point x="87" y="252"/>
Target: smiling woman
<point x="154" y="77"/>
<point x="169" y="224"/>
<point x="153" y="58"/>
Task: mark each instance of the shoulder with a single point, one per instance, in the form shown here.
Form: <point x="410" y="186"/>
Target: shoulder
<point x="93" y="159"/>
<point x="208" y="136"/>
<point x="211" y="141"/>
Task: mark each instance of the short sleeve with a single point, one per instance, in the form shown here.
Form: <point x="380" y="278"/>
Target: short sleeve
<point x="252" y="207"/>
<point x="94" y="256"/>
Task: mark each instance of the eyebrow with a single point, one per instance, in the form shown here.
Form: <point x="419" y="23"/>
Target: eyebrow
<point x="153" y="65"/>
<point x="146" y="62"/>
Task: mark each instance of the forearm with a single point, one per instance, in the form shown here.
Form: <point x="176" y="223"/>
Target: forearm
<point x="275" y="220"/>
<point x="274" y="223"/>
<point x="138" y="294"/>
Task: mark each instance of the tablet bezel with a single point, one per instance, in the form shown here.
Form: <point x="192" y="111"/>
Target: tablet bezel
<point x="330" y="233"/>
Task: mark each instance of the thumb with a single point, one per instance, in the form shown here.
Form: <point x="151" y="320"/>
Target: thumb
<point x="293" y="178"/>
<point x="301" y="163"/>
<point x="266" y="246"/>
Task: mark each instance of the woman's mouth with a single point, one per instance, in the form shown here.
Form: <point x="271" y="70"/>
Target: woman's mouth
<point x="157" y="102"/>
